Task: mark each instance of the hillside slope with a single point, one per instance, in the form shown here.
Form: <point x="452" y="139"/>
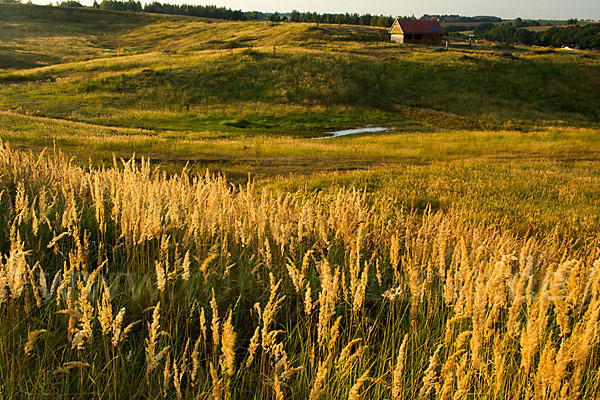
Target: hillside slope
<point x="189" y="74"/>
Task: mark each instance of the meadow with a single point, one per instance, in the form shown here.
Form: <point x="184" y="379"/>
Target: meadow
<point x="170" y="228"/>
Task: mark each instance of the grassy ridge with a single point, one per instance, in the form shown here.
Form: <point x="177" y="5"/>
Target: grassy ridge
<point x="194" y="74"/>
<point x="34" y="36"/>
<point x="259" y="85"/>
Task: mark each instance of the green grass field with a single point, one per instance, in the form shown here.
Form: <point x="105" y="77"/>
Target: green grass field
<point x="245" y="99"/>
<point x="488" y="160"/>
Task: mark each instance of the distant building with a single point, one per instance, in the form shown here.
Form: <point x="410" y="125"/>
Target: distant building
<point x="417" y="31"/>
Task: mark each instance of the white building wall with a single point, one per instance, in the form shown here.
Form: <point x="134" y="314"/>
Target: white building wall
<point x="397" y="38"/>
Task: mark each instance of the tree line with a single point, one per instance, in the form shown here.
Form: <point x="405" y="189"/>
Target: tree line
<point x="460" y="18"/>
<point x="165" y="8"/>
<point x="346" y="19"/>
<point x="582" y="36"/>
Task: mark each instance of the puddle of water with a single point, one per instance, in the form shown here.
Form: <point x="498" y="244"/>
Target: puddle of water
<point x="353" y="131"/>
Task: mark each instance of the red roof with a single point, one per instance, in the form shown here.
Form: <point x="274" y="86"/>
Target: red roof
<point x="423" y="27"/>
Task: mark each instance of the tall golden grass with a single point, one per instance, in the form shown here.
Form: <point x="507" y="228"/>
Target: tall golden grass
<point x="124" y="282"/>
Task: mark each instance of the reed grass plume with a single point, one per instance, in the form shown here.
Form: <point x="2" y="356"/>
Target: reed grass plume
<point x="186" y="286"/>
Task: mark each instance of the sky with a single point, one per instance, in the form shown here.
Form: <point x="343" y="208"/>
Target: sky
<point x="508" y="9"/>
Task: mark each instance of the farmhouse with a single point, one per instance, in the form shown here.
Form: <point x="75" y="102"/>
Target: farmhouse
<point x="416" y="31"/>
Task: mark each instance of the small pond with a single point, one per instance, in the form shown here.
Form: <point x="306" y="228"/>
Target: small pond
<point x="373" y="129"/>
